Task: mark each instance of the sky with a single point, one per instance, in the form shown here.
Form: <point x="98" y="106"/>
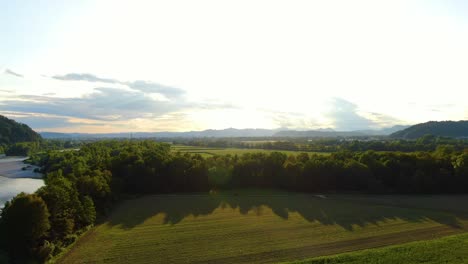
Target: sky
<point x="127" y="66"/>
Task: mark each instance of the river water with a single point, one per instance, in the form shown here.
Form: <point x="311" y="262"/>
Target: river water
<point x="13" y="179"/>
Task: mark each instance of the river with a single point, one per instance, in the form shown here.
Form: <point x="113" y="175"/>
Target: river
<point x="13" y="179"/>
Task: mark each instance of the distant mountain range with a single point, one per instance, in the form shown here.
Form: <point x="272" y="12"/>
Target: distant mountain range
<point x="229" y="132"/>
<point x="456" y="129"/>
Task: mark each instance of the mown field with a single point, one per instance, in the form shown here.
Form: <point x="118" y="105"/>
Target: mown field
<point x="263" y="227"/>
<point x="207" y="152"/>
<point x="451" y="249"/>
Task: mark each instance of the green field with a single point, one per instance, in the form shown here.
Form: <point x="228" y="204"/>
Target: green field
<point x="207" y="152"/>
<point x="452" y="249"/>
<point x="263" y="227"/>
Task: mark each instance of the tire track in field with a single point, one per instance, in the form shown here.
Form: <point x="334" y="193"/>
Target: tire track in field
<point x="340" y="246"/>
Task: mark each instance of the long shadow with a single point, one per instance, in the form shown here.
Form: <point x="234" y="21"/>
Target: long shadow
<point x="173" y="207"/>
<point x="335" y="210"/>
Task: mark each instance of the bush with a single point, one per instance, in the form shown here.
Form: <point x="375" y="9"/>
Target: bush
<point x="68" y="240"/>
<point x="44" y="251"/>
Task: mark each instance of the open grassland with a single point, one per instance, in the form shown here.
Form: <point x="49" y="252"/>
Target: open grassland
<point x="263" y="227"/>
<point x="207" y="152"/>
<point x="449" y="250"/>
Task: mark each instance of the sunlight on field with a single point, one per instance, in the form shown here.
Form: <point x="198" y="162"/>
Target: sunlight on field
<point x="253" y="228"/>
<point x="207" y="152"/>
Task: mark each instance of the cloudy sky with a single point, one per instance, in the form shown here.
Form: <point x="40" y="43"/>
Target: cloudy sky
<point x="121" y="66"/>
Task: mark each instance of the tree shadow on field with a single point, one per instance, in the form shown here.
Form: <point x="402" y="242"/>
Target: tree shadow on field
<point x="171" y="209"/>
<point x="332" y="210"/>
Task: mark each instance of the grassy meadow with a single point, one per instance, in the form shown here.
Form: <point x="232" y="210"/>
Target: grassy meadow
<point x="207" y="151"/>
<point x="264" y="227"/>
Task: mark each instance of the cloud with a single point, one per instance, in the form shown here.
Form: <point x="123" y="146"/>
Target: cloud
<point x="48" y="121"/>
<point x="107" y="107"/>
<point x="151" y="87"/>
<point x="139" y="85"/>
<point x="385" y="120"/>
<point x="291" y="120"/>
<point x="83" y="77"/>
<point x="8" y="71"/>
<point x="344" y="116"/>
<point x="112" y="104"/>
<point x="41" y="123"/>
<point x="347" y="116"/>
<point x="104" y="104"/>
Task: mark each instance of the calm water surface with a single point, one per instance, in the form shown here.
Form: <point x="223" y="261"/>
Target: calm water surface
<point x="13" y="179"/>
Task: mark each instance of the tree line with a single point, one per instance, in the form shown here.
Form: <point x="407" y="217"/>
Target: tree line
<point x="424" y="143"/>
<point x="82" y="185"/>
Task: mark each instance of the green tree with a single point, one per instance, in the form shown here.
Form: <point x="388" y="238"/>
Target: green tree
<point x="26" y="221"/>
<point x="89" y="211"/>
<point x="63" y="202"/>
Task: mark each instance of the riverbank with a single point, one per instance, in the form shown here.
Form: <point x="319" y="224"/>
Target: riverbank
<point x="14" y="167"/>
<point x="17" y="177"/>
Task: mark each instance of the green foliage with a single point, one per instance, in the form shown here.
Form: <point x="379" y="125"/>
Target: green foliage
<point x="26" y="220"/>
<point x="12" y="132"/>
<point x="96" y="186"/>
<point x="64" y="205"/>
<point x="218" y="176"/>
<point x="444" y="129"/>
<point x="89" y="211"/>
<point x="45" y="250"/>
<point x="22" y="149"/>
<point x="18" y="139"/>
<point x="101" y="169"/>
<point x="460" y="164"/>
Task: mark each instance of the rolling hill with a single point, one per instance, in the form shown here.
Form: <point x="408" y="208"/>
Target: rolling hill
<point x="456" y="129"/>
<point x="13" y="132"/>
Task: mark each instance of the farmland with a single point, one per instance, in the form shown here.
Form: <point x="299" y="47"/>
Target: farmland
<point x="208" y="151"/>
<point x="451" y="249"/>
<point x="263" y="226"/>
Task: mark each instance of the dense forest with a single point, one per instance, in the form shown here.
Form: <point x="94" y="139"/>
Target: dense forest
<point x="82" y="185"/>
<point x="456" y="129"/>
<point x="14" y="135"/>
<point x="18" y="139"/>
<point x="13" y="132"/>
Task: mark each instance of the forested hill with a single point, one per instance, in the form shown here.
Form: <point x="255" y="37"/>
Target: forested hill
<point x="456" y="129"/>
<point x="13" y="132"/>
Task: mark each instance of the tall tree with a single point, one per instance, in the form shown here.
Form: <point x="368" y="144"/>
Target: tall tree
<point x="27" y="219"/>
